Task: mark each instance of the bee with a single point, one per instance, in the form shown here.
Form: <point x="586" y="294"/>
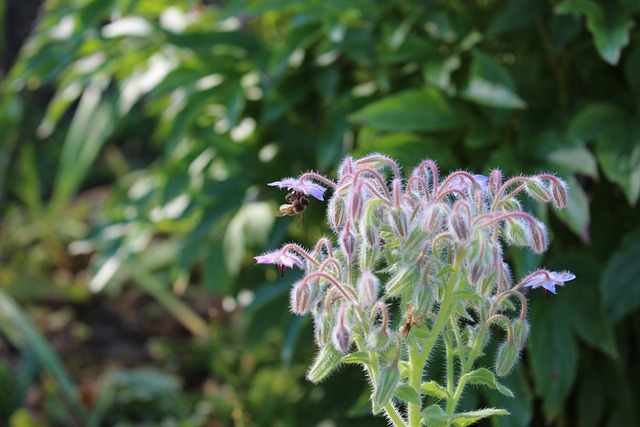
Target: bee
<point x="297" y="202"/>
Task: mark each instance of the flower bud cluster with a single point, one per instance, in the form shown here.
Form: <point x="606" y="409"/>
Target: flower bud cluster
<point x="430" y="246"/>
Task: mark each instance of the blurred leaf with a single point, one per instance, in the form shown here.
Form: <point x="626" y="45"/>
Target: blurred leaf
<point x="618" y="151"/>
<point x="92" y="124"/>
<point x="610" y="25"/>
<point x="413" y="110"/>
<point x="632" y="68"/>
<point x="490" y="84"/>
<point x="576" y="215"/>
<point x="516" y="15"/>
<point x="408" y="394"/>
<point x="618" y="143"/>
<point x="553" y="352"/>
<point x="619" y="284"/>
<point x="521" y="407"/>
<point x="28" y="337"/>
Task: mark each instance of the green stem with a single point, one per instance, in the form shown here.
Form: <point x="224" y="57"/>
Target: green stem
<point x="417" y="361"/>
<point x="451" y="404"/>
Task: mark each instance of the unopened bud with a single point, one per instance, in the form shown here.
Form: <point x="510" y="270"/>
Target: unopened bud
<point x="373" y="161"/>
<point x="559" y="191"/>
<point x="434" y="217"/>
<point x="324" y="322"/>
<point x="348" y="241"/>
<point x="336" y="213"/>
<point x="378" y="340"/>
<point x="302" y="295"/>
<point x="404" y="279"/>
<point x="460" y="221"/>
<point x="341" y="335"/>
<point x="346" y="167"/>
<point x="369" y="222"/>
<point x="368" y="287"/>
<point x="535" y="188"/>
<point x="398" y="221"/>
<point x="388" y="380"/>
<point x="538" y="236"/>
<point x="416" y="239"/>
<point x="424" y="295"/>
<point x="506" y="358"/>
<point x="520" y="332"/>
<point x="356" y="203"/>
<point x="516" y="231"/>
<point x="326" y="361"/>
<point x="369" y="256"/>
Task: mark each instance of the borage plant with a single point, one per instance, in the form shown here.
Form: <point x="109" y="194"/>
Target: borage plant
<point x="431" y="250"/>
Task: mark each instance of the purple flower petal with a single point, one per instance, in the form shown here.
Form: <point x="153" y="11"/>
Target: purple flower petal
<point x="549" y="280"/>
<point x="283" y="260"/>
<point x="307" y="187"/>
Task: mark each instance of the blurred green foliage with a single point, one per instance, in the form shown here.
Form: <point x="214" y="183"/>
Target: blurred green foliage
<point x="136" y="139"/>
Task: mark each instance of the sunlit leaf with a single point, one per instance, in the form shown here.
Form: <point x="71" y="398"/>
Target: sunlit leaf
<point x="414" y="110"/>
<point x="490" y="84"/>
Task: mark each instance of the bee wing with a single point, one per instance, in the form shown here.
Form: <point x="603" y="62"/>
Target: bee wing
<point x="299" y="220"/>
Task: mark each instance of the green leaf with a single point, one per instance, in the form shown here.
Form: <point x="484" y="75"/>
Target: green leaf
<point x="516" y="14"/>
<point x="520" y="408"/>
<point x="618" y="151"/>
<point x="485" y="377"/>
<point x="357" y="357"/>
<point x="434" y="416"/>
<point x="576" y="215"/>
<point x="92" y="123"/>
<point x="619" y="285"/>
<point x="434" y="389"/>
<point x="18" y="327"/>
<point x="610" y="25"/>
<point x="552" y="351"/>
<point x="592" y="120"/>
<point x="467" y="418"/>
<point x="412" y="110"/>
<point x="584" y="302"/>
<point x="490" y="84"/>
<point x="617" y="134"/>
<point x="408" y="394"/>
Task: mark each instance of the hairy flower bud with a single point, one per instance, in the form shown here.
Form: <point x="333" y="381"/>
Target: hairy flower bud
<point x="516" y="232"/>
<point x="460" y="221"/>
<point x="341" y="335"/>
<point x="506" y="358"/>
<point x="424" y="295"/>
<point x="336" y="213"/>
<point x="535" y="188"/>
<point x="324" y="322"/>
<point x="434" y="217"/>
<point x="538" y="237"/>
<point x="356" y="203"/>
<point x="399" y="223"/>
<point x="378" y="339"/>
<point x="302" y="296"/>
<point x="348" y="241"/>
<point x="368" y="287"/>
<point x="559" y="192"/>
<point x="520" y="332"/>
<point x="346" y="167"/>
<point x="402" y="280"/>
<point x="369" y="222"/>
<point x="388" y="380"/>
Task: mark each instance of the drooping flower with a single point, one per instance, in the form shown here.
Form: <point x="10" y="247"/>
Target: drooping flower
<point x="282" y="259"/>
<point x="306" y="186"/>
<point x="548" y="280"/>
